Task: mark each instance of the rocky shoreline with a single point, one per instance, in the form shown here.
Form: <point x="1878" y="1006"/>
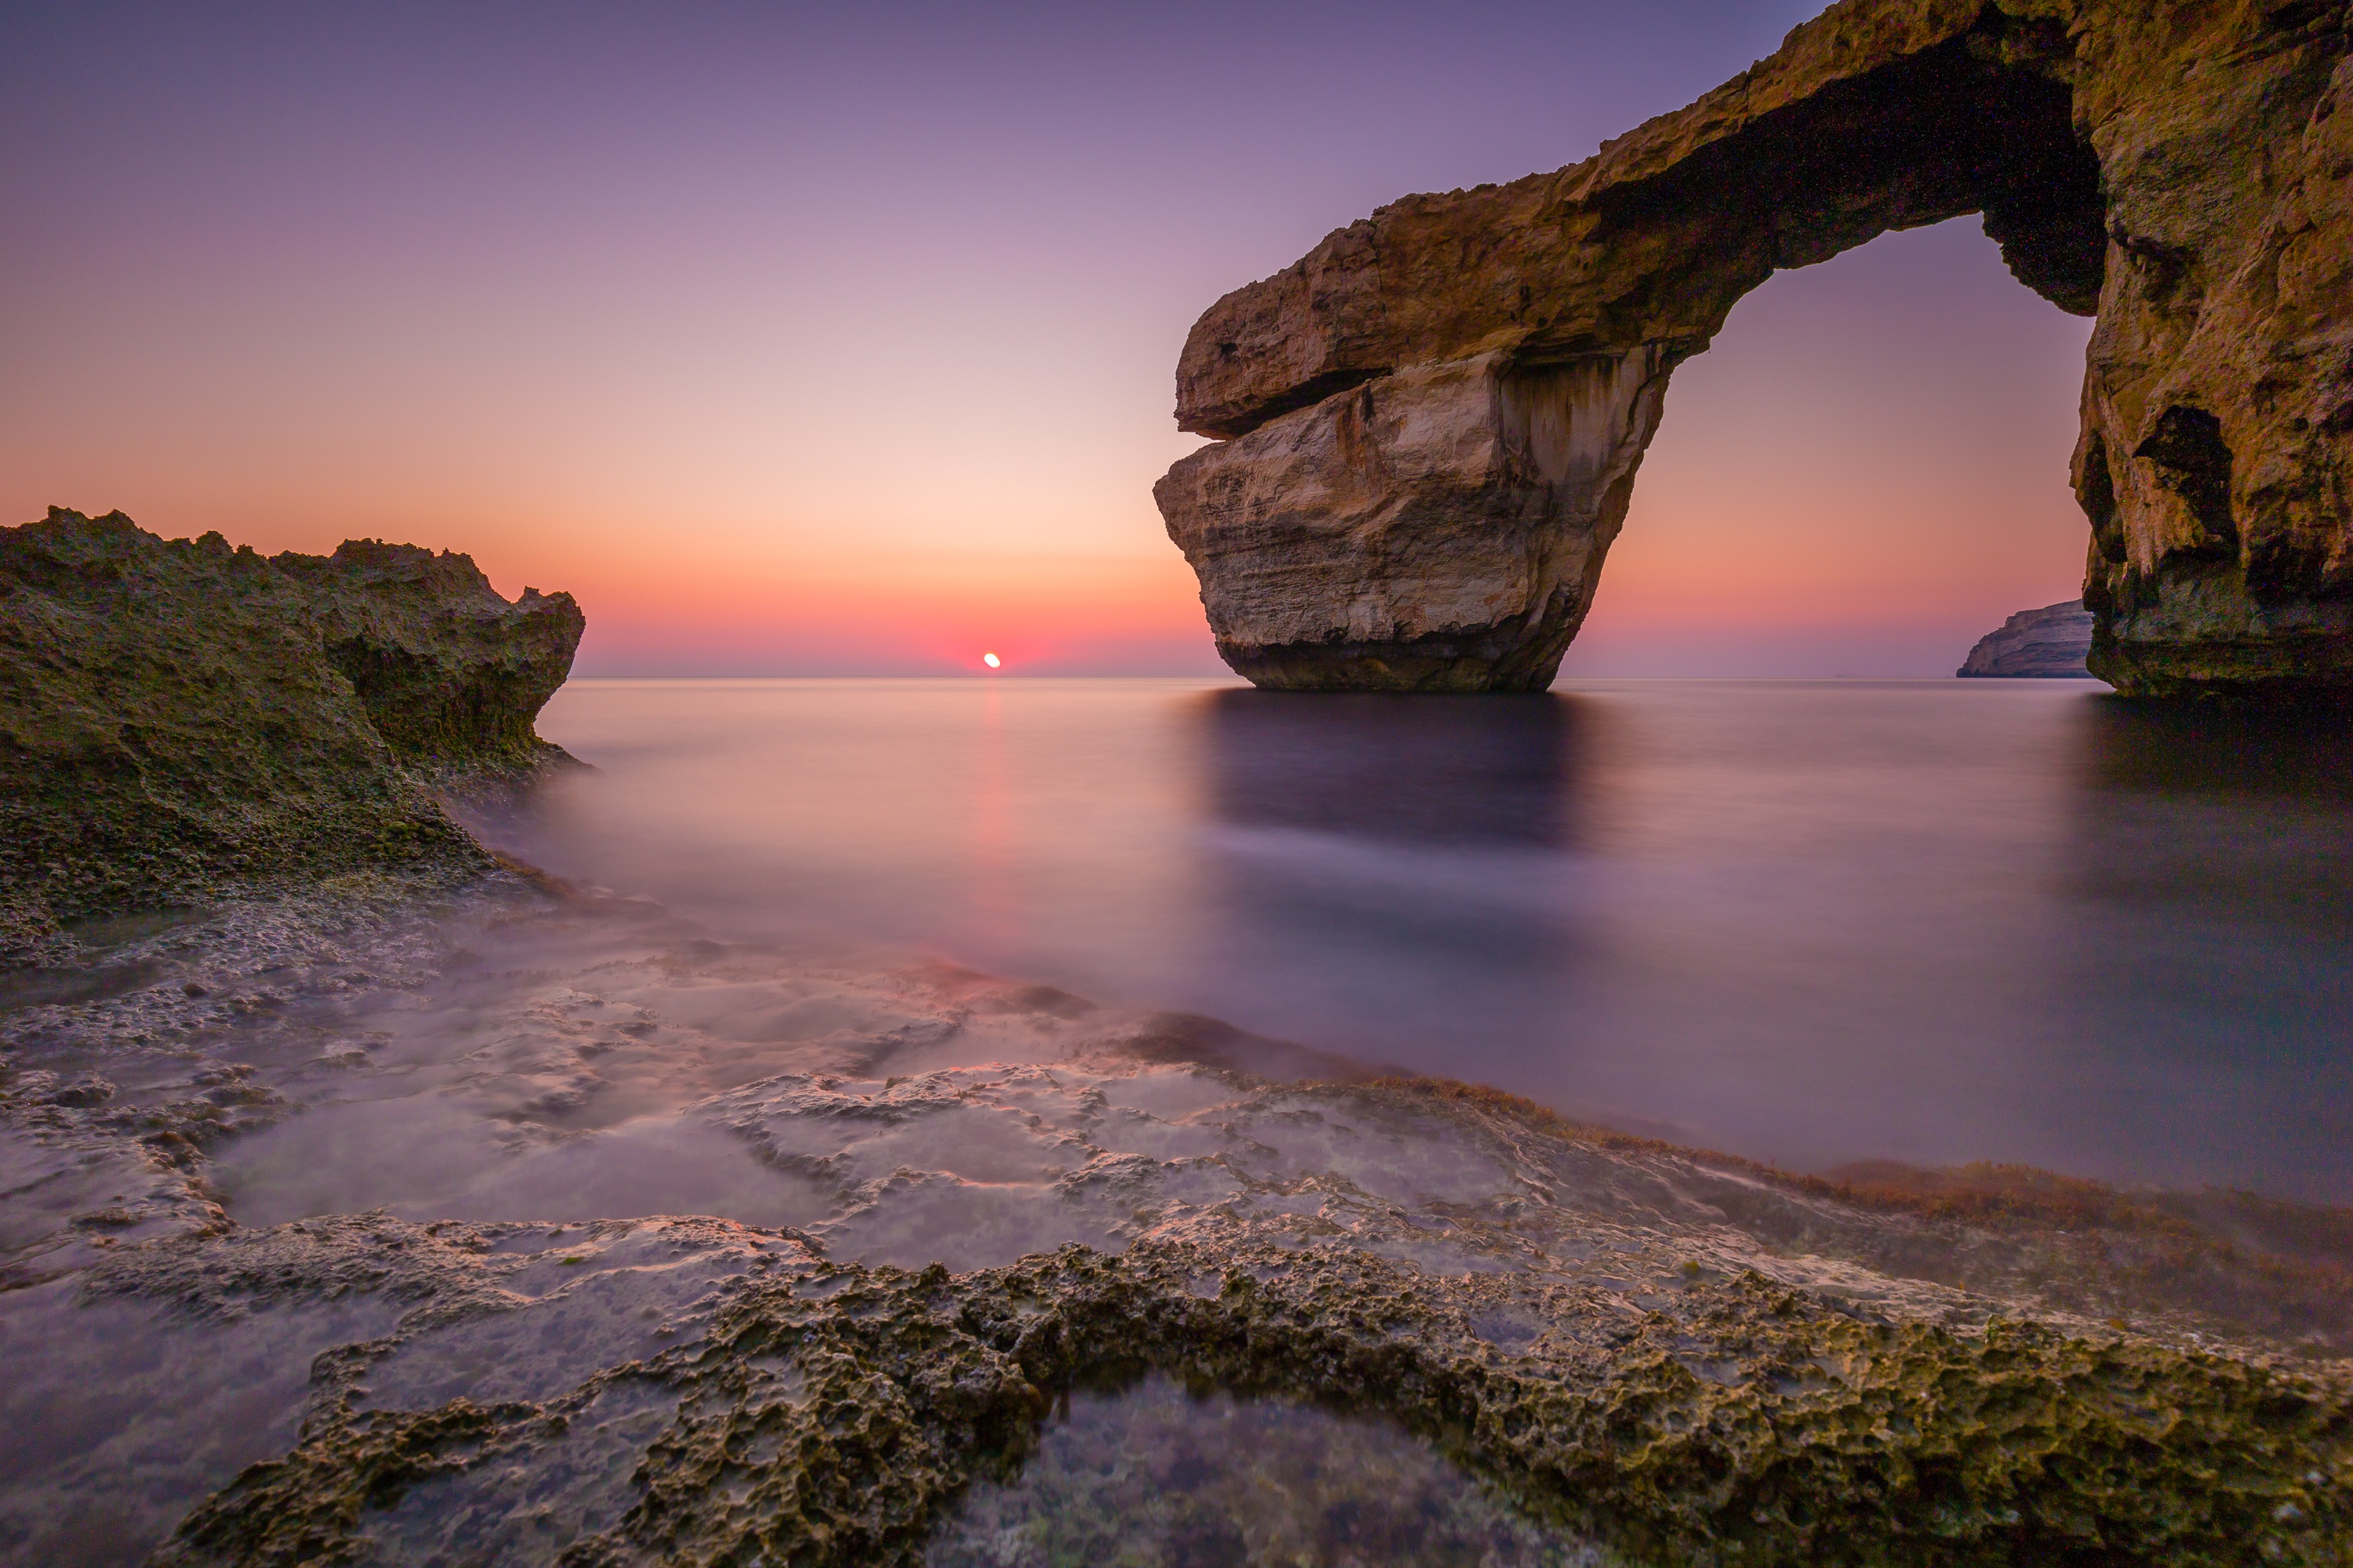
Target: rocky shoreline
<point x="255" y="989"/>
<point x="183" y="720"/>
<point x="1674" y="1355"/>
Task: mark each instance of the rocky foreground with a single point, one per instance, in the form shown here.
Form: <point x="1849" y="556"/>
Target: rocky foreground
<point x="1674" y="1356"/>
<point x="366" y="1199"/>
<point x="1426" y="432"/>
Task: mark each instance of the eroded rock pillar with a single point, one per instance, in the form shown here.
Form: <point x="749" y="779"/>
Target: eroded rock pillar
<point x="2218" y="404"/>
<point x="1440" y="528"/>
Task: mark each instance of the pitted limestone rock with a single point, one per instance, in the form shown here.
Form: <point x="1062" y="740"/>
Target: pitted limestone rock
<point x="828" y="1416"/>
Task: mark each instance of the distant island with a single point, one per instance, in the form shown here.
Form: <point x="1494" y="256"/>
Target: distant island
<point x="2052" y="643"/>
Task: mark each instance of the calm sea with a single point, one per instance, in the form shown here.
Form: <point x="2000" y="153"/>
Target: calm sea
<point x="1811" y="922"/>
<point x="1815" y="923"/>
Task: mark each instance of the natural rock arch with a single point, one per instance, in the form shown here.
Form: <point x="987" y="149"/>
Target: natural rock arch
<point x="1428" y="427"/>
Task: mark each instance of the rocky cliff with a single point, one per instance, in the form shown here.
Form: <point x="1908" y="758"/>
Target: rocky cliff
<point x="1429" y="429"/>
<point x="2052" y="642"/>
<point x="177" y="716"/>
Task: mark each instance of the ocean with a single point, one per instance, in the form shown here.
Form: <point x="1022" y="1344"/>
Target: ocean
<point x="1044" y="1082"/>
<point x="1811" y="922"/>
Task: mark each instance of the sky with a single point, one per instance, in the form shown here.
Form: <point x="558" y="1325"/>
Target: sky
<point x="840" y="339"/>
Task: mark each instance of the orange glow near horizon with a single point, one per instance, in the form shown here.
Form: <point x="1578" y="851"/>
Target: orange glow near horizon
<point x="872" y="374"/>
<point x="952" y="611"/>
<point x="1810" y="481"/>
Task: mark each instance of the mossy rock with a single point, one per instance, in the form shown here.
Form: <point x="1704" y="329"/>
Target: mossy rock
<point x="177" y="716"/>
<point x="831" y="1418"/>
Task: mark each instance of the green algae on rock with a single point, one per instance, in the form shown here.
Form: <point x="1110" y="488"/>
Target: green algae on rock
<point x="829" y="1414"/>
<point x="449" y="672"/>
<point x="177" y="717"/>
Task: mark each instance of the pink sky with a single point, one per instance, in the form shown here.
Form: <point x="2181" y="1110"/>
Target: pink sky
<point x="795" y="342"/>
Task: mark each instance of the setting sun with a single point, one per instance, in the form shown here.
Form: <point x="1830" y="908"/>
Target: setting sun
<point x="991" y="660"/>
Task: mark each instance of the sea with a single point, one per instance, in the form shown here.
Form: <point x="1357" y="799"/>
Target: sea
<point x="907" y="972"/>
<point x="1812" y="922"/>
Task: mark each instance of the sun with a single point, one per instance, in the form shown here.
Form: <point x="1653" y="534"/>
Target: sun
<point x="991" y="660"/>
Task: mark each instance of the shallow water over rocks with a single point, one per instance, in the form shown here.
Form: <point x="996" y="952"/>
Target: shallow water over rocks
<point x="1811" y="922"/>
<point x="1152" y="1476"/>
<point x="537" y="1219"/>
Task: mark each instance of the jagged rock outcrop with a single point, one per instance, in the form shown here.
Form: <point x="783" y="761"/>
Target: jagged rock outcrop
<point x="449" y="673"/>
<point x="2052" y="642"/>
<point x="1429" y="429"/>
<point x="177" y="715"/>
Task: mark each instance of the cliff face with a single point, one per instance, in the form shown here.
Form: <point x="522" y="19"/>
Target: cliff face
<point x="2052" y="642"/>
<point x="1430" y="427"/>
<point x="449" y="672"/>
<point x="175" y="716"/>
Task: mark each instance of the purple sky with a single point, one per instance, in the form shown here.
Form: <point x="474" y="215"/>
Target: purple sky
<point x="839" y="340"/>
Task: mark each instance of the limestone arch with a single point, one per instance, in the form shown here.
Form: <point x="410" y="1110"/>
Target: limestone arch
<point x="1428" y="429"/>
<point x="1864" y="473"/>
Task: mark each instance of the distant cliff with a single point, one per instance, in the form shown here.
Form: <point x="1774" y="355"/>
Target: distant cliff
<point x="2051" y="642"/>
<point x="177" y="716"/>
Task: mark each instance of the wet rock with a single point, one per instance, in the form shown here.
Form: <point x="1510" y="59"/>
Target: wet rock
<point x="178" y="718"/>
<point x="830" y="1416"/>
<point x="1011" y="1196"/>
<point x="1428" y="429"/>
<point x="2051" y="642"/>
<point x="138" y="1409"/>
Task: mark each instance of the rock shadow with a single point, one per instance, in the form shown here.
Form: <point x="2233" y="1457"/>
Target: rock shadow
<point x="1389" y="873"/>
<point x="1485" y="771"/>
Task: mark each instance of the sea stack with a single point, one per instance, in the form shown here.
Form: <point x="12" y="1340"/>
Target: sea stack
<point x="1428" y="430"/>
<point x="2053" y="643"/>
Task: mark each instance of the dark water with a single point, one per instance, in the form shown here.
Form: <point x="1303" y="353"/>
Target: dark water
<point x="1151" y="1478"/>
<point x="1808" y="921"/>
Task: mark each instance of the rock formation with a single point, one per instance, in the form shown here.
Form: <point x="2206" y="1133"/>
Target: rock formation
<point x="1428" y="429"/>
<point x="1684" y="1358"/>
<point x="177" y="715"/>
<point x="2052" y="642"/>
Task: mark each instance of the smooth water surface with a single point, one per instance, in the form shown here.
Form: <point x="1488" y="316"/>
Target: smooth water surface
<point x="1807" y="922"/>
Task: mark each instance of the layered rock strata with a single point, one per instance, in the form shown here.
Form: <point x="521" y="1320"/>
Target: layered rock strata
<point x="1428" y="429"/>
<point x="2052" y="643"/>
<point x="179" y="715"/>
